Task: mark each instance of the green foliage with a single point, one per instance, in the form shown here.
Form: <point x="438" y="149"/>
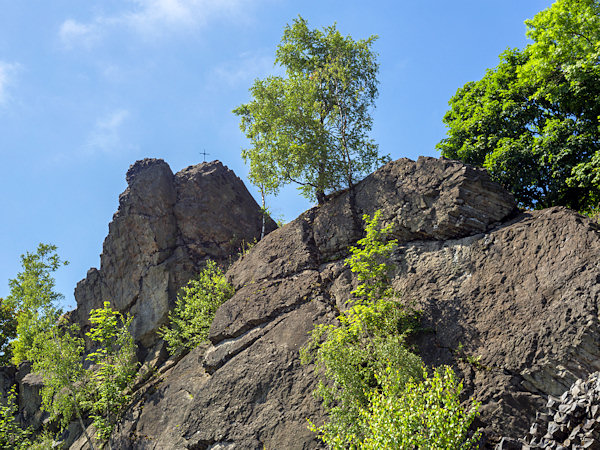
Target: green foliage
<point x="32" y="295"/>
<point x="350" y="357"/>
<point x="44" y="440"/>
<point x="56" y="349"/>
<point x="533" y="121"/>
<point x="8" y="330"/>
<point x="195" y="309"/>
<point x="423" y="414"/>
<point x="57" y="355"/>
<point x="370" y="337"/>
<point x="374" y="389"/>
<point x="114" y="370"/>
<point x="12" y="436"/>
<point x="312" y="126"/>
<point x="245" y="247"/>
<point x="369" y="261"/>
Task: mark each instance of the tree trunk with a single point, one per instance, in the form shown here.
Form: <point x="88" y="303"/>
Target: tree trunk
<point x="264" y="212"/>
<point x="320" y="197"/>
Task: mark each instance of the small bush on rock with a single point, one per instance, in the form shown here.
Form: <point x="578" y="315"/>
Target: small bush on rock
<point x="376" y="392"/>
<point x="370" y="336"/>
<point x="423" y="414"/>
<point x="195" y="309"/>
<point x="114" y="370"/>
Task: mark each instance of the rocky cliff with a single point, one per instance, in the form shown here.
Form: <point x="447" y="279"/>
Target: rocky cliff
<point x="165" y="228"/>
<point x="509" y="298"/>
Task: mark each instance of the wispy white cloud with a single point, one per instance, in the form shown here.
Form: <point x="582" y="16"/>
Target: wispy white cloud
<point x="73" y="33"/>
<point x="7" y="76"/>
<point x="105" y="137"/>
<point x="152" y="19"/>
<point x="243" y="70"/>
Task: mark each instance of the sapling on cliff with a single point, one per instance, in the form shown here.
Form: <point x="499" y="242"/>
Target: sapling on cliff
<point x="114" y="370"/>
<point x="195" y="309"/>
<point x="369" y="337"/>
<point x="373" y="387"/>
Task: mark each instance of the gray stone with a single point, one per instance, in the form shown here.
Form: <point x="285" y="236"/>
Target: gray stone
<point x="518" y="291"/>
<point x="166" y="227"/>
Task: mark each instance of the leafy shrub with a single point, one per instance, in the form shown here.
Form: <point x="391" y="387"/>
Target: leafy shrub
<point x="195" y="309"/>
<point x="115" y="368"/>
<point x="350" y="356"/>
<point x="374" y="389"/>
<point x="8" y="330"/>
<point x="57" y="355"/>
<point x="12" y="436"/>
<point x="423" y="414"/>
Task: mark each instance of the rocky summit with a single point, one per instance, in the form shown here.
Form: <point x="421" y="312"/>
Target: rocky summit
<point x="165" y="228"/>
<point x="509" y="299"/>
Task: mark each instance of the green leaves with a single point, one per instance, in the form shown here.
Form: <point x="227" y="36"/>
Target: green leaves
<point x="424" y="414"/>
<point x="12" y="436"/>
<point x="114" y="370"/>
<point x="196" y="305"/>
<point x="351" y="356"/>
<point x="57" y="355"/>
<point x="369" y="261"/>
<point x="56" y="348"/>
<point x="32" y="295"/>
<point x="376" y="392"/>
<point x="533" y="121"/>
<point x="311" y="126"/>
<point x="8" y="330"/>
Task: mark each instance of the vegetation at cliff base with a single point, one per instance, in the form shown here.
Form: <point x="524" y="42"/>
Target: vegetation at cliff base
<point x="534" y="120"/>
<point x="114" y="369"/>
<point x="195" y="309"/>
<point x="423" y="414"/>
<point x="12" y="436"/>
<point x="375" y="390"/>
<point x="56" y="351"/>
<point x="311" y="127"/>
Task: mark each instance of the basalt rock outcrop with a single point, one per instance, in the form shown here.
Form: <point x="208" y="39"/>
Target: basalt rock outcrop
<point x="247" y="389"/>
<point x="571" y="421"/>
<point x="165" y="228"/>
<point x="509" y="298"/>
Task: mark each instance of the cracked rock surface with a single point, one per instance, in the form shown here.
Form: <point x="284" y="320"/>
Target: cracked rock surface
<point x="509" y="299"/>
<point x="166" y="226"/>
<point x="451" y="221"/>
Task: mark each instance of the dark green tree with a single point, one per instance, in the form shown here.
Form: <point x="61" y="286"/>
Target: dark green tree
<point x="311" y="127"/>
<point x="8" y="330"/>
<point x="533" y="121"/>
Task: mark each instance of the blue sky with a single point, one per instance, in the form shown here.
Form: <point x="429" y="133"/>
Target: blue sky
<point x="88" y="87"/>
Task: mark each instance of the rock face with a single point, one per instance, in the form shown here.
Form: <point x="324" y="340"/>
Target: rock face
<point x="248" y="388"/>
<point x="509" y="298"/>
<point x="515" y="309"/>
<point x="165" y="228"/>
<point x="571" y="421"/>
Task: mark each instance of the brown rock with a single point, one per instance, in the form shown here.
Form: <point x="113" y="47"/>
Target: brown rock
<point x="519" y="294"/>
